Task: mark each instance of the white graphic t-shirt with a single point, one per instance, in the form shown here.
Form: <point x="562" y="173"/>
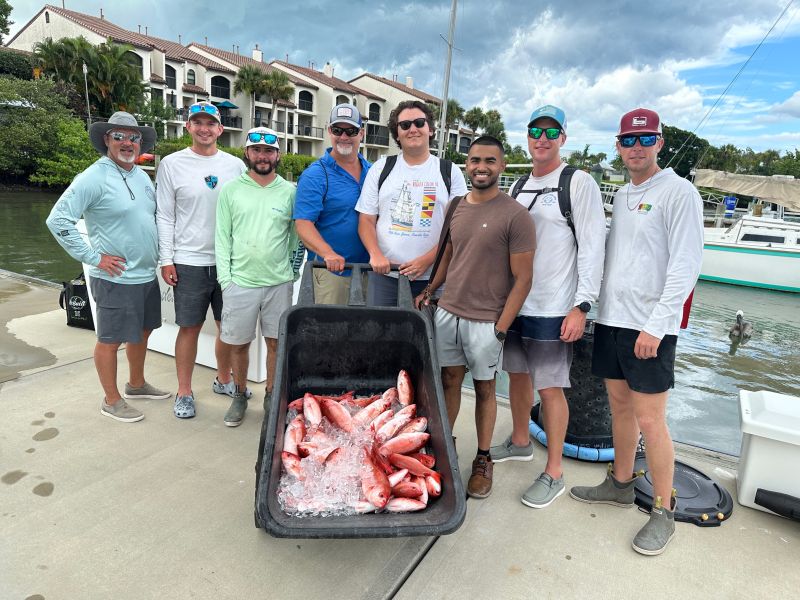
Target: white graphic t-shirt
<point x="410" y="206"/>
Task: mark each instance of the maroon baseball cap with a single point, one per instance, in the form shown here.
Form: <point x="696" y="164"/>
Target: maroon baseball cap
<point x="639" y="120"/>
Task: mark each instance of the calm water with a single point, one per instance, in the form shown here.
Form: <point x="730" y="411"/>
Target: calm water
<point x="703" y="408"/>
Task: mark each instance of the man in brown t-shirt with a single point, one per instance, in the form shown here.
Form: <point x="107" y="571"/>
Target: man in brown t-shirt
<point x="488" y="266"/>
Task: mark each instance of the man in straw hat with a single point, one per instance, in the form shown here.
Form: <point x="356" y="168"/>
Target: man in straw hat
<point x="118" y="202"/>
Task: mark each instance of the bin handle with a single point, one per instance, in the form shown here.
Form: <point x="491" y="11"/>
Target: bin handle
<point x="306" y="296"/>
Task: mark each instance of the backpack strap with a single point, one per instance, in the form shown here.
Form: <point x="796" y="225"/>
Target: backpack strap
<point x="564" y="198"/>
<point x="518" y="185"/>
<point x="444" y="237"/>
<point x="391" y="161"/>
<point x="446" y="171"/>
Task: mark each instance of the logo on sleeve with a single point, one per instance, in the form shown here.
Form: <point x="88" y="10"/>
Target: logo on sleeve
<point x="211" y="181"/>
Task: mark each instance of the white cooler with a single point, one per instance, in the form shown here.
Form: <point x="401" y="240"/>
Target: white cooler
<point x="163" y="339"/>
<point x="770" y="455"/>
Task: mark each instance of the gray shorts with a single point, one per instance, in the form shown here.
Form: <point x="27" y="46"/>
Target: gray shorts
<point x="125" y="310"/>
<point x="547" y="361"/>
<point x="197" y="289"/>
<point x="243" y="308"/>
<point x="471" y="343"/>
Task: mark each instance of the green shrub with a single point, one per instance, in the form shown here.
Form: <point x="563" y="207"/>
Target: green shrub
<point x="15" y="64"/>
<point x="73" y="153"/>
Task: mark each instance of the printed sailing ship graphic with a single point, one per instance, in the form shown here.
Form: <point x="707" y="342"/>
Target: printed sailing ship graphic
<point x="403" y="211"/>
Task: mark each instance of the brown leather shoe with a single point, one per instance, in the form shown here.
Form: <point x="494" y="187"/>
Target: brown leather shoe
<point x="480" y="482"/>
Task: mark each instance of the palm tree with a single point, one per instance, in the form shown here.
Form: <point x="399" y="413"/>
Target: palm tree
<point x="250" y="80"/>
<point x="474" y="119"/>
<point x="493" y="125"/>
<point x="277" y="86"/>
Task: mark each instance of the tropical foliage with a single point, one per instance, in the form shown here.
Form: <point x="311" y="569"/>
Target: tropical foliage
<point x="5" y="12"/>
<point x="72" y="153"/>
<point x="15" y="64"/>
<point x="113" y="76"/>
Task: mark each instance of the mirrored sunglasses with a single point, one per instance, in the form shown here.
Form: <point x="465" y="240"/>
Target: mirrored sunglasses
<point x="348" y="131"/>
<point x="255" y="137"/>
<point x="206" y="108"/>
<point x="629" y="141"/>
<point x="118" y="136"/>
<point x="418" y="123"/>
<point x="551" y="133"/>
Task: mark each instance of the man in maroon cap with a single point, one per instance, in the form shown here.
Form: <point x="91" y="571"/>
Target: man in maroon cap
<point x="653" y="258"/>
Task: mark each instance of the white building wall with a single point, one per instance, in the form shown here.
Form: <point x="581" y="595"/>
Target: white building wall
<point x="58" y="27"/>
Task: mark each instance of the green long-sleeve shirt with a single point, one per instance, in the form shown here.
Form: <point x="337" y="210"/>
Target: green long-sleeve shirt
<point x="256" y="242"/>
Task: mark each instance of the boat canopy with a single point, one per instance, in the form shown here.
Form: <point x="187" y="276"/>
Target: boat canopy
<point x="780" y="190"/>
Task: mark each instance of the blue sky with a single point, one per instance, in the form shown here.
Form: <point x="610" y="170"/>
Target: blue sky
<point x="595" y="60"/>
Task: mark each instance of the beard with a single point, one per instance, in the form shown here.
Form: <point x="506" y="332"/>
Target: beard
<point x="483" y="185"/>
<point x="344" y="149"/>
<point x="264" y="167"/>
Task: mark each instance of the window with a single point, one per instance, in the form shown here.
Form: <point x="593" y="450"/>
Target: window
<point x="135" y="60"/>
<point x="46" y="17"/>
<point x="169" y="75"/>
<point x="375" y="112"/>
<point x="306" y="101"/>
<point x="342" y="99"/>
<point x="220" y="87"/>
<point x="190" y="77"/>
<point x="760" y="237"/>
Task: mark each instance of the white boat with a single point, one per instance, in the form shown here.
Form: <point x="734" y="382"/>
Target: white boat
<point x="756" y="251"/>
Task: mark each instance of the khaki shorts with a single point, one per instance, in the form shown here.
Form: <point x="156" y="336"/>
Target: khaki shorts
<point x="243" y="308"/>
<point x="471" y="343"/>
<point x="330" y="288"/>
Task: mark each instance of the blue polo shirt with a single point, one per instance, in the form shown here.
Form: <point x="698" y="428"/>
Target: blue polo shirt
<point x="335" y="217"/>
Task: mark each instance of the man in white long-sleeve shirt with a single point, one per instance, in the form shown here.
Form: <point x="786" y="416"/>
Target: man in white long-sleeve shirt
<point x="653" y="259"/>
<point x="189" y="182"/>
<point x="567" y="270"/>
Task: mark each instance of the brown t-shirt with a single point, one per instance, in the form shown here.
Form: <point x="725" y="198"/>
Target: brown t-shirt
<point x="479" y="276"/>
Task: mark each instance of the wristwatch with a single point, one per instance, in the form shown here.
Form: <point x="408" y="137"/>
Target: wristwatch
<point x="585" y="307"/>
<point x="500" y="335"/>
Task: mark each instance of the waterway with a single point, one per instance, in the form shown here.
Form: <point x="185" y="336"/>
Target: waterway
<point x="704" y="406"/>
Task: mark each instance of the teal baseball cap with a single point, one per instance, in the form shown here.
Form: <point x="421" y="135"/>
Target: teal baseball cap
<point x="552" y="112"/>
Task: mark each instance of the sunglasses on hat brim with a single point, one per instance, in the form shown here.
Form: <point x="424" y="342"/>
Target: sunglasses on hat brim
<point x="256" y="137"/>
<point x="646" y="140"/>
<point x="209" y="109"/>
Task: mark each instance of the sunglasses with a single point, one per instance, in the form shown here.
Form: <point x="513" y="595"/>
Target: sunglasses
<point x="551" y="133"/>
<point x="206" y="108"/>
<point x="255" y="137"/>
<point x="349" y="131"/>
<point x="629" y="141"/>
<point x="418" y="123"/>
<point x="118" y="136"/>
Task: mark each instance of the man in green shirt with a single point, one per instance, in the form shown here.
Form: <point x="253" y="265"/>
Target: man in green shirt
<point x="256" y="249"/>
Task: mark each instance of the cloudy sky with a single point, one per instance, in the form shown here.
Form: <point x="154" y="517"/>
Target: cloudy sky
<point x="594" y="59"/>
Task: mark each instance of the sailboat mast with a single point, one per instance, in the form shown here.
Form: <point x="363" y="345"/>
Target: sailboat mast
<point x="443" y="111"/>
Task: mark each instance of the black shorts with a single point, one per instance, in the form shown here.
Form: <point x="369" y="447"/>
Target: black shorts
<point x="197" y="289"/>
<point x="613" y="358"/>
<point x="125" y="310"/>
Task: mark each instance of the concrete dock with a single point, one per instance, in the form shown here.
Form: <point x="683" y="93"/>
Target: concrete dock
<point x="93" y="508"/>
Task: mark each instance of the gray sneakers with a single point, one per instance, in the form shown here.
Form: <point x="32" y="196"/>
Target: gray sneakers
<point x="543" y="491"/>
<point x="509" y="451"/>
<point x="611" y="491"/>
<point x="146" y="392"/>
<point x="653" y="538"/>
<point x="228" y="389"/>
<point x="235" y="414"/>
<point x="120" y="411"/>
<point x="184" y="406"/>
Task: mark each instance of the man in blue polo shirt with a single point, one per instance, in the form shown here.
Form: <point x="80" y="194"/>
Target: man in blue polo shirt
<point x="324" y="211"/>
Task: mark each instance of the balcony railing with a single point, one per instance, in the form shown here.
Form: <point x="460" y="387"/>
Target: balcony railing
<point x="279" y="126"/>
<point x="377" y="135"/>
<point x="309" y="131"/>
<point x="235" y="122"/>
<point x="306" y="105"/>
<point x="172" y="83"/>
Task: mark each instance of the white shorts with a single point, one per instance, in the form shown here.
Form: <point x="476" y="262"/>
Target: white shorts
<point x="471" y="343"/>
<point x="243" y="307"/>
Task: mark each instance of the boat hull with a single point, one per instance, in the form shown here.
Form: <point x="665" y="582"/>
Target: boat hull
<point x="757" y="267"/>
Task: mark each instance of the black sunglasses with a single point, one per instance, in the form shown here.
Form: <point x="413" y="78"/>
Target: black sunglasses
<point x="629" y="141"/>
<point x="348" y="131"/>
<point x="418" y="123"/>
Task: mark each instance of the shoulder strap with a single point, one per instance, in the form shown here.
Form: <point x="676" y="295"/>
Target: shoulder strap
<point x="391" y="161"/>
<point x="446" y="170"/>
<point x="564" y="198"/>
<point x="518" y="185"/>
<point x="444" y="236"/>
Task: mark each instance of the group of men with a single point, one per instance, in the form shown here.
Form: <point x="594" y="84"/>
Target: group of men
<point x="517" y="273"/>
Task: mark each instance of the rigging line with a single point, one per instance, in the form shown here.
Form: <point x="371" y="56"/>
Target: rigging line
<point x="725" y="91"/>
<point x="738" y="103"/>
